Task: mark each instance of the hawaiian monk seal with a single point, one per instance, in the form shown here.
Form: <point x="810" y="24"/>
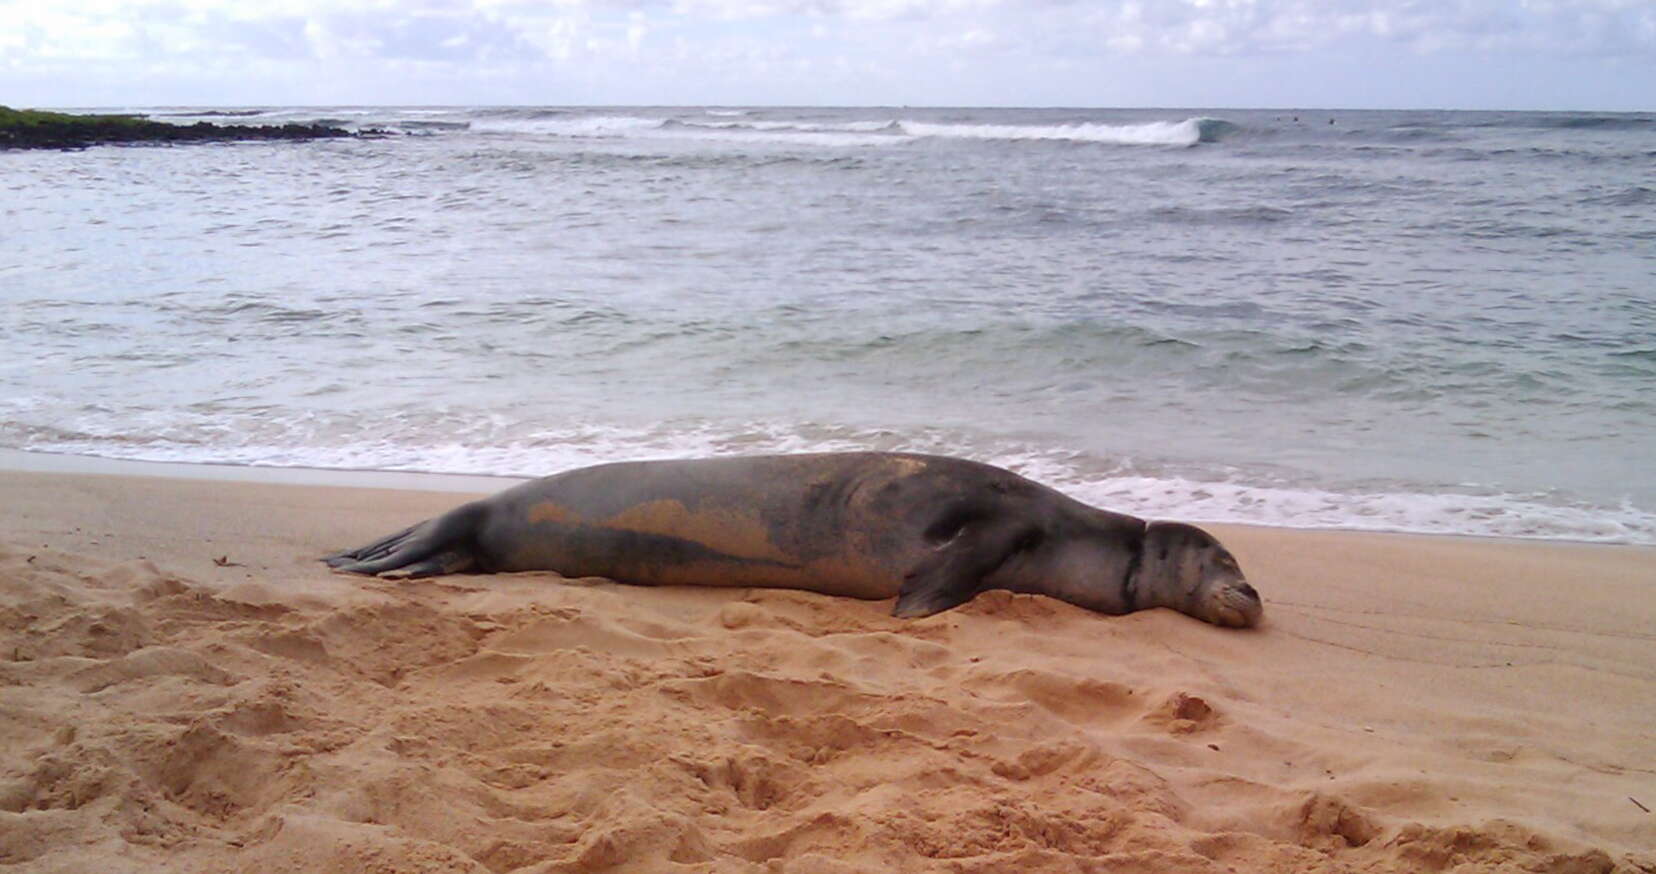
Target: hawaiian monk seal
<point x="930" y="530"/>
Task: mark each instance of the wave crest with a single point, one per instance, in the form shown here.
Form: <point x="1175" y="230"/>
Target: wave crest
<point x="1188" y="132"/>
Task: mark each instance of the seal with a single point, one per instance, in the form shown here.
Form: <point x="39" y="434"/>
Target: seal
<point x="930" y="530"/>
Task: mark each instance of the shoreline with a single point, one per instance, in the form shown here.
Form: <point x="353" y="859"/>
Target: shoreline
<point x="485" y="484"/>
<point x="184" y="686"/>
<point x="65" y="463"/>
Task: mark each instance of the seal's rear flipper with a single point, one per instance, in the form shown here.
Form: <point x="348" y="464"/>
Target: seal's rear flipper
<point x="955" y="573"/>
<point x="373" y="551"/>
<point x="451" y="562"/>
<point x="437" y="546"/>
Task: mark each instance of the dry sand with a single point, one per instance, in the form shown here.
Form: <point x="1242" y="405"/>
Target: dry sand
<point x="184" y="688"/>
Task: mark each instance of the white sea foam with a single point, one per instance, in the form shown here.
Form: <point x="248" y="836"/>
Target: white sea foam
<point x="845" y="136"/>
<point x="1163" y="133"/>
<point x="851" y="134"/>
<point x="570" y="126"/>
<point x="732" y="127"/>
<point x="1500" y="515"/>
<point x="1167" y="494"/>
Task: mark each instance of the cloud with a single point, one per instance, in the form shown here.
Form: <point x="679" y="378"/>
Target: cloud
<point x="581" y="50"/>
<point x="476" y="29"/>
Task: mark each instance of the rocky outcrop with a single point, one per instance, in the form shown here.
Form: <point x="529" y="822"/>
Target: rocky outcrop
<point x="32" y="129"/>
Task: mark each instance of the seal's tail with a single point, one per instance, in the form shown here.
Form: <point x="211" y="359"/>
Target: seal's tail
<point x="443" y="545"/>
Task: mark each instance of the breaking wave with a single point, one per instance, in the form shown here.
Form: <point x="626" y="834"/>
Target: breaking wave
<point x="1186" y="132"/>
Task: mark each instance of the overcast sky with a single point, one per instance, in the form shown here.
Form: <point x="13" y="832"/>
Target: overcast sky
<point x="1467" y="54"/>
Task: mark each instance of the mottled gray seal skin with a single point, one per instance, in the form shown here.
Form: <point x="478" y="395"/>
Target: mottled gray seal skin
<point x="929" y="530"/>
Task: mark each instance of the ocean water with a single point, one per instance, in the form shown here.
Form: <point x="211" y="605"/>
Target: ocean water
<point x="1421" y="321"/>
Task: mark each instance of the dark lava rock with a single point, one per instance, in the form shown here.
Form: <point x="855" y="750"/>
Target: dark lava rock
<point x="31" y="129"/>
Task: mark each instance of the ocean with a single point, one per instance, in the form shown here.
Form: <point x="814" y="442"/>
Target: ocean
<point x="1427" y="321"/>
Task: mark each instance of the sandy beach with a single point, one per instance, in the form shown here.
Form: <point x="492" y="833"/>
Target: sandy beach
<point x="185" y="688"/>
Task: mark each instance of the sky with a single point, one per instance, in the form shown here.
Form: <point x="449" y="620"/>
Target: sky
<point x="1350" y="54"/>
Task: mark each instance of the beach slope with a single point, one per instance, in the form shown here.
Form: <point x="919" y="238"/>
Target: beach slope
<point x="183" y="687"/>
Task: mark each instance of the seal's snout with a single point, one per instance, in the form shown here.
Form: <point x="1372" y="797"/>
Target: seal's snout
<point x="1237" y="605"/>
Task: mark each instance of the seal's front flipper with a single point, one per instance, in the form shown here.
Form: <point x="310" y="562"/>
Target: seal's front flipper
<point x="954" y="574"/>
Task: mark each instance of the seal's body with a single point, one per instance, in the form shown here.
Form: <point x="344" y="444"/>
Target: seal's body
<point x="929" y="530"/>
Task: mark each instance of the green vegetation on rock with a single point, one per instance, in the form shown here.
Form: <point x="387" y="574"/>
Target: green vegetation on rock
<point x="37" y="129"/>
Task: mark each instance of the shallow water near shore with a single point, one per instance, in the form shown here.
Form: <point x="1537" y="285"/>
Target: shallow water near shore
<point x="1426" y="321"/>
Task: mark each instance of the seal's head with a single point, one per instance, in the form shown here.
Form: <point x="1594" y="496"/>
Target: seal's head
<point x="1185" y="568"/>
